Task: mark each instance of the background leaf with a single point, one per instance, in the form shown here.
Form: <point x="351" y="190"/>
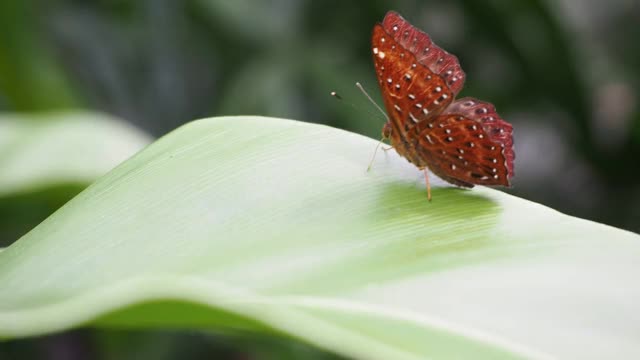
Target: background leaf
<point x="47" y="159"/>
<point x="271" y="226"/>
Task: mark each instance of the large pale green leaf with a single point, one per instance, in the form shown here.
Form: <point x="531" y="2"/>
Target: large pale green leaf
<point x="274" y="226"/>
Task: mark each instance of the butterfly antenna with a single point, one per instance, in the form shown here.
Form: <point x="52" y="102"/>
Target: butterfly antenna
<point x="359" y="86"/>
<point x="338" y="97"/>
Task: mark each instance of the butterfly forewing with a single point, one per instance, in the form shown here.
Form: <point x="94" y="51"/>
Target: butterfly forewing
<point x="427" y="53"/>
<point x="411" y="92"/>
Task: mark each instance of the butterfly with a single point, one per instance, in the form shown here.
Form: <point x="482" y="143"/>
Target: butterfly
<point x="464" y="142"/>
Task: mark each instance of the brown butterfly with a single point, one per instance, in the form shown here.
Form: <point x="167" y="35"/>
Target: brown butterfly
<point x="464" y="142"/>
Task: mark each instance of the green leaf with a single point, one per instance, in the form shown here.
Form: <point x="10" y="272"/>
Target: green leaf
<point x="30" y="77"/>
<point x="47" y="159"/>
<point x="40" y="151"/>
<point x="274" y="227"/>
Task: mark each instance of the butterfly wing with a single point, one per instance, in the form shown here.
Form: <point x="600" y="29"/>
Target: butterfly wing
<point x="465" y="142"/>
<point x="411" y="91"/>
<point x="498" y="130"/>
<point x="460" y="150"/>
<point x="427" y="53"/>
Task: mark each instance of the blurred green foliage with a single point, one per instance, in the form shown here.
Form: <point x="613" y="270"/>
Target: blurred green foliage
<point x="158" y="345"/>
<point x="565" y="73"/>
<point x="20" y="212"/>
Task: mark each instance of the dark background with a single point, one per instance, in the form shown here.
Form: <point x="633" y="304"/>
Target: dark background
<point x="564" y="73"/>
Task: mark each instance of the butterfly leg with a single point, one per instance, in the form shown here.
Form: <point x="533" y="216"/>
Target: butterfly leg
<point x="386" y="134"/>
<point x="426" y="179"/>
<point x="374" y="154"/>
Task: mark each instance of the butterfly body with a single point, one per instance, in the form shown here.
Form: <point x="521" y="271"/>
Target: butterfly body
<point x="464" y="142"/>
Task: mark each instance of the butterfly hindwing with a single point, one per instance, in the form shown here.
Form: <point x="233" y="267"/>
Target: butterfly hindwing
<point x="495" y="127"/>
<point x="457" y="147"/>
